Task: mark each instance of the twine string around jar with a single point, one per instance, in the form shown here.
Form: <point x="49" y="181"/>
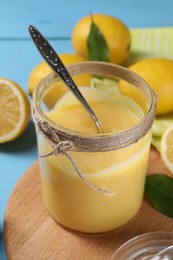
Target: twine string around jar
<point x="63" y="141"/>
<point x="61" y="148"/>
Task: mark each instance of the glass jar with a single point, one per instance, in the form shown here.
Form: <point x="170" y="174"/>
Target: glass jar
<point x="94" y="183"/>
<point x="153" y="246"/>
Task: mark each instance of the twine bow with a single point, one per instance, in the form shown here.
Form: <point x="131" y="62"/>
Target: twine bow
<point x="60" y="147"/>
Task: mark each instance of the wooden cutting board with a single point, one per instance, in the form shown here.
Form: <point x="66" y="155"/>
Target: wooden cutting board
<point x="31" y="234"/>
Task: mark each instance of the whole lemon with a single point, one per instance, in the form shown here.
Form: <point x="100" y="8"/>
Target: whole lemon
<point x="57" y="90"/>
<point x="115" y="32"/>
<point x="158" y="73"/>
<point x="42" y="70"/>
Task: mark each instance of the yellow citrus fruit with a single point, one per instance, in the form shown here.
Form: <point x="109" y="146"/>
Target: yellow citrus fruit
<point x="167" y="148"/>
<point x="158" y="72"/>
<point x="115" y="32"/>
<point x="56" y="91"/>
<point x="14" y="110"/>
<point x="42" y="70"/>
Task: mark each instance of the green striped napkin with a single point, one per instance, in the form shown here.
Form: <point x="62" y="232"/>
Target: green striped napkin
<point x="150" y="43"/>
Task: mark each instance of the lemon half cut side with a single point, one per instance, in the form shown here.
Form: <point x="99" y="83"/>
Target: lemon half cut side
<point x="14" y="110"/>
<point x="167" y="148"/>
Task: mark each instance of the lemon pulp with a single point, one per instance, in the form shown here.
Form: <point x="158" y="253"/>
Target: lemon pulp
<point x="14" y="110"/>
<point x="167" y="148"/>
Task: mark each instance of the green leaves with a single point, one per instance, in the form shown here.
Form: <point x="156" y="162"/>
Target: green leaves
<point x="159" y="190"/>
<point x="97" y="46"/>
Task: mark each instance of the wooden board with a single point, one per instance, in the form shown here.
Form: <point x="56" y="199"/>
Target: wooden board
<point x="30" y="232"/>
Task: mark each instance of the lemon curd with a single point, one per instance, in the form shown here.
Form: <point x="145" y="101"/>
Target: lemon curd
<point x="121" y="172"/>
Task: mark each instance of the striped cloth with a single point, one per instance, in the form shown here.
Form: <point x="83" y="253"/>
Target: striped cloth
<point x="151" y="42"/>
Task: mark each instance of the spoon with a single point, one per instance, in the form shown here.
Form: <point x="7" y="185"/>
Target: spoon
<point x="53" y="60"/>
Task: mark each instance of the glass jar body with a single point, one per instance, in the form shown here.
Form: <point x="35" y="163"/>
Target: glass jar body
<point x="115" y="162"/>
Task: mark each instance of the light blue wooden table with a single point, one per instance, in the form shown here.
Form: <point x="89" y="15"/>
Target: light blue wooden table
<point x="18" y="56"/>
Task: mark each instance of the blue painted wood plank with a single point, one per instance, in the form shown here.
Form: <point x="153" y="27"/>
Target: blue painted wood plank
<point x="57" y="18"/>
<point x="18" y="58"/>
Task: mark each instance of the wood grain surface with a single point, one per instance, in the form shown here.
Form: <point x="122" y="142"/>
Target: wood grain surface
<point x="31" y="234"/>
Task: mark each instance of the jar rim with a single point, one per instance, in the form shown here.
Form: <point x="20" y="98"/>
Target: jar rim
<point x="117" y="140"/>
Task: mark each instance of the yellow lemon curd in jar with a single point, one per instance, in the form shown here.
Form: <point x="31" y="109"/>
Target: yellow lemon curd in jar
<point x="121" y="172"/>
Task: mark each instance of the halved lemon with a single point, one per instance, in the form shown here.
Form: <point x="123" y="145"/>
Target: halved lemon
<point x="14" y="110"/>
<point x="167" y="148"/>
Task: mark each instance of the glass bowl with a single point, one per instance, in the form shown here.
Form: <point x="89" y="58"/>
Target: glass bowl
<point x="153" y="246"/>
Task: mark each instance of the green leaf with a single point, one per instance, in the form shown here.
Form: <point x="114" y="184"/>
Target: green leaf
<point x="159" y="190"/>
<point x="97" y="46"/>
